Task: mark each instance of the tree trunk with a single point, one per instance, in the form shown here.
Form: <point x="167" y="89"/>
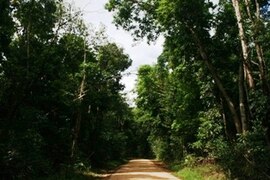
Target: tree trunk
<point x="262" y="69"/>
<point x="244" y="45"/>
<point x="258" y="47"/>
<point x="242" y="104"/>
<point x="80" y="96"/>
<point x="217" y="80"/>
<point x="255" y="18"/>
<point x="224" y="118"/>
<point x="228" y="100"/>
<point x="76" y="132"/>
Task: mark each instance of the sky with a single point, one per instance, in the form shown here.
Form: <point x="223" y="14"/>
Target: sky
<point x="140" y="52"/>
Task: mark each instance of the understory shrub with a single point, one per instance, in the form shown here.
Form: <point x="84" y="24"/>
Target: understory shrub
<point x="246" y="158"/>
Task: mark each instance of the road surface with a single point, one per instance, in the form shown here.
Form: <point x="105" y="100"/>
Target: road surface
<point x="143" y="169"/>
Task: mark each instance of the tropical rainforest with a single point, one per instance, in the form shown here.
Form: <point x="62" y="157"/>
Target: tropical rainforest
<point x="62" y="105"/>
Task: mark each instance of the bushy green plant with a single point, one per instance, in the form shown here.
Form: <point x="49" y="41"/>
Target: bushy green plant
<point x="24" y="156"/>
<point x="189" y="174"/>
<point x="246" y="158"/>
<point x="160" y="149"/>
<point x="210" y="129"/>
<point x="190" y="160"/>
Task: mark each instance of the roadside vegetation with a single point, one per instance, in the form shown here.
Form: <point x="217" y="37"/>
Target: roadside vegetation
<point x="197" y="168"/>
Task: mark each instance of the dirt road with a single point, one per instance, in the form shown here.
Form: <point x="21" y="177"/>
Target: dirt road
<point x="143" y="169"/>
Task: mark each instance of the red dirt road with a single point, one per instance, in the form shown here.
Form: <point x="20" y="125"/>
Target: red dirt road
<point x="142" y="169"/>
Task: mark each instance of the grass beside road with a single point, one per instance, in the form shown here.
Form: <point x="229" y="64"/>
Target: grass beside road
<point x="201" y="172"/>
<point x="197" y="171"/>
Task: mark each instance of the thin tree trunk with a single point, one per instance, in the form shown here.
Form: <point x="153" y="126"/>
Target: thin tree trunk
<point x="244" y="45"/>
<point x="258" y="47"/>
<point x="247" y="3"/>
<point x="262" y="69"/>
<point x="255" y="18"/>
<point x="80" y="96"/>
<point x="224" y="119"/>
<point x="78" y="119"/>
<point x="76" y="132"/>
<point x="260" y="56"/>
<point x="242" y="105"/>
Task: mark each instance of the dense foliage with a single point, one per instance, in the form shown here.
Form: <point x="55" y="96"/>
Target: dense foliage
<point x="208" y="95"/>
<point x="60" y="100"/>
<point x="61" y="106"/>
